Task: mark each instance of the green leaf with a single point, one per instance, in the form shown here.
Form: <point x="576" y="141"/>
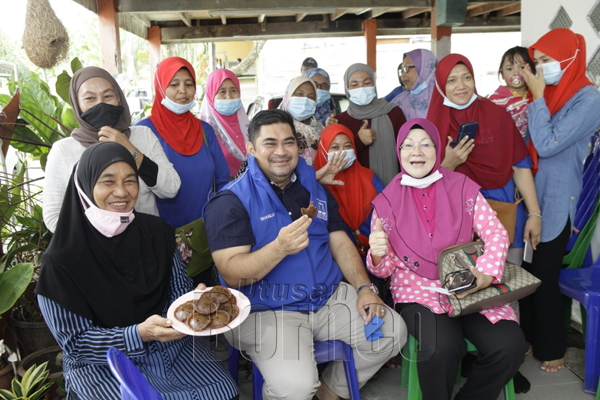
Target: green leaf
<point x="68" y="119"/>
<point x="76" y="65"/>
<point x="25" y="140"/>
<point x="13" y="282"/>
<point x="6" y="395"/>
<point x="34" y="376"/>
<point x="36" y="99"/>
<point x="63" y="81"/>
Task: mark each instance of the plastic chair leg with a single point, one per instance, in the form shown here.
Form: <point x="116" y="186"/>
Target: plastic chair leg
<point x="592" y="358"/>
<point x="509" y="390"/>
<point x="414" y="389"/>
<point x="350" y="370"/>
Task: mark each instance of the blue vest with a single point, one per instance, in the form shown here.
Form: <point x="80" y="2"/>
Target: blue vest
<point x="302" y="281"/>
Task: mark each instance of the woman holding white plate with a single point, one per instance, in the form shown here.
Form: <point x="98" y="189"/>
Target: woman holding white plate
<point x="108" y="278"/>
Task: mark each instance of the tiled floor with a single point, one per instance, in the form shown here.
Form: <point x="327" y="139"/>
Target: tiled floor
<point x="385" y="385"/>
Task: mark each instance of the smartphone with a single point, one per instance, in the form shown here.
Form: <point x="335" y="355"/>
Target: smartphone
<point x="462" y="281"/>
<point x="467" y="129"/>
<point x="527" y="252"/>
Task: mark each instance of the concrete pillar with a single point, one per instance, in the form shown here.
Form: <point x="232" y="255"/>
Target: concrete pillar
<point x="440" y="37"/>
<point x="370" y="33"/>
<point x="109" y="36"/>
<point x="154" y="40"/>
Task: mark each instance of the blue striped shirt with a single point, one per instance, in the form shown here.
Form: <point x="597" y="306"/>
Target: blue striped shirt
<point x="561" y="141"/>
<point x="180" y="369"/>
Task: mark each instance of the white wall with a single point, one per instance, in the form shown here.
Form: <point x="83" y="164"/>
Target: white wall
<point x="536" y="16"/>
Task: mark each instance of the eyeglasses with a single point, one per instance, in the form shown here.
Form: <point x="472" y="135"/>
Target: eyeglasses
<point x="322" y="86"/>
<point x="425" y="147"/>
<point x="404" y="68"/>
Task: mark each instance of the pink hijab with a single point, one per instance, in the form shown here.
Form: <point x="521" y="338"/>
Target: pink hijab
<point x="454" y="204"/>
<point x="232" y="130"/>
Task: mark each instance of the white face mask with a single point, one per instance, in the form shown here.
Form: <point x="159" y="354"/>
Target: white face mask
<point x="108" y="223"/>
<point x="350" y="157"/>
<point x="323" y="96"/>
<point x="302" y="107"/>
<point x="362" y="96"/>
<point x="552" y="70"/>
<point x="449" y="103"/>
<point x="176" y="107"/>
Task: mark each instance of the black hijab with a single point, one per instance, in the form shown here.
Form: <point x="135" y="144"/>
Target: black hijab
<point x="118" y="281"/>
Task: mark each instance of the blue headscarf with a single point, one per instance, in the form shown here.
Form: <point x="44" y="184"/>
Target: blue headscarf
<point x="323" y="110"/>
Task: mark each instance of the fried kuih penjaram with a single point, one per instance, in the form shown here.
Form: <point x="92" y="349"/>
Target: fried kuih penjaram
<point x="215" y="309"/>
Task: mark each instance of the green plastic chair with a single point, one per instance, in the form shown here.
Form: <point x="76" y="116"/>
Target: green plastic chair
<point x="410" y="376"/>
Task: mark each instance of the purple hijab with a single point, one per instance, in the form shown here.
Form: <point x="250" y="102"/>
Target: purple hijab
<point x="415" y="105"/>
<point x="455" y="201"/>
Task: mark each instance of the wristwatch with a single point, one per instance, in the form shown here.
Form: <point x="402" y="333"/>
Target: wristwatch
<point x="135" y="153"/>
<point x="370" y="286"/>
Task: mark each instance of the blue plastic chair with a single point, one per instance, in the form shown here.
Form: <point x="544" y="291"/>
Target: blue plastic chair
<point x="134" y="385"/>
<point x="329" y="350"/>
<point x="583" y="285"/>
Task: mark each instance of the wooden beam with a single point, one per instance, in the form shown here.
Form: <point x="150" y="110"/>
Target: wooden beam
<point x="109" y="36"/>
<point x="261" y="18"/>
<point x="378" y="11"/>
<point x="300" y="17"/>
<point x="144" y="19"/>
<point x="484" y="9"/>
<point x="223" y="20"/>
<point x="318" y="29"/>
<point x="338" y="13"/>
<point x="185" y="19"/>
<point x="241" y="5"/>
<point x="364" y="10"/>
<point x="326" y="20"/>
<point x="370" y="33"/>
<point x="411" y="12"/>
<point x="154" y="41"/>
<point x="510" y="10"/>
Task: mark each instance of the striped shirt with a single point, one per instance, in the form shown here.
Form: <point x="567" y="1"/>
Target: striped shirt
<point x="179" y="369"/>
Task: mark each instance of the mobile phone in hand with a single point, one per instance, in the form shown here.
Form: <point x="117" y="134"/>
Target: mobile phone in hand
<point x="527" y="252"/>
<point x="462" y="281"/>
<point x="467" y="129"/>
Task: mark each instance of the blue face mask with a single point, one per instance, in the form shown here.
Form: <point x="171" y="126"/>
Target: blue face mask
<point x="362" y="96"/>
<point x="322" y="96"/>
<point x="350" y="157"/>
<point x="450" y="104"/>
<point x="302" y="107"/>
<point x="419" y="88"/>
<point x="176" y="107"/>
<point x="227" y="107"/>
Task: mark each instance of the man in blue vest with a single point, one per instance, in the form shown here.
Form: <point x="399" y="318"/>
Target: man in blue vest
<point x="291" y="267"/>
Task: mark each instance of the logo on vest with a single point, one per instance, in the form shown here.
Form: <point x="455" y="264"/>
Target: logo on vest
<point x="265" y="217"/>
<point x="322" y="209"/>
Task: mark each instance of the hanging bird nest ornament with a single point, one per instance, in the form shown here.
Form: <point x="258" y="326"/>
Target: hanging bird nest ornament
<point x="45" y="38"/>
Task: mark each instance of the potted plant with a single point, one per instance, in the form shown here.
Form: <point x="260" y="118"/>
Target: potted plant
<point x="33" y="386"/>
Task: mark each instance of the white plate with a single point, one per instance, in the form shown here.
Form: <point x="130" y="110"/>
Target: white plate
<point x="242" y="302"/>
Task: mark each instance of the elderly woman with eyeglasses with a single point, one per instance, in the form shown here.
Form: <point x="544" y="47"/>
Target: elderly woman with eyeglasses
<point x="423" y="210"/>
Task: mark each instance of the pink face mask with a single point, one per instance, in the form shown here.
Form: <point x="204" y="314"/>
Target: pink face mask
<point x="108" y="223"/>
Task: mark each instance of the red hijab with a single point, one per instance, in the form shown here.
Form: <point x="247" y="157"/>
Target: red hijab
<point x="562" y="44"/>
<point x="498" y="143"/>
<point x="354" y="198"/>
<point x="183" y="132"/>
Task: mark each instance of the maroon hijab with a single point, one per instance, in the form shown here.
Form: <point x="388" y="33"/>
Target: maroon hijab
<point x="455" y="201"/>
<point x="498" y="144"/>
